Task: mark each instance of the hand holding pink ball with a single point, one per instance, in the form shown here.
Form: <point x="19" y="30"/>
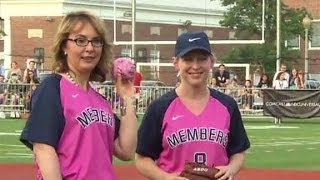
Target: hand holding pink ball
<point x="125" y="67"/>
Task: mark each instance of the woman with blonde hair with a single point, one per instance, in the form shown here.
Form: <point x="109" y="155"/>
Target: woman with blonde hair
<point x="72" y="129"/>
<point x="14" y="70"/>
<point x="192" y="123"/>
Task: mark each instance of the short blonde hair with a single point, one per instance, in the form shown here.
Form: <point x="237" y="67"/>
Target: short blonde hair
<point x="67" y="24"/>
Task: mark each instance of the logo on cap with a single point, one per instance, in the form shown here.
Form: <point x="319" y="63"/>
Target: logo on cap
<point x="193" y="39"/>
<point x="190" y="41"/>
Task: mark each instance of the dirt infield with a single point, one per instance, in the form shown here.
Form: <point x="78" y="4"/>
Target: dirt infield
<point x="127" y="172"/>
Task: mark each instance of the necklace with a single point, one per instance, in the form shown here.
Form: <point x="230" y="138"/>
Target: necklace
<point x="71" y="78"/>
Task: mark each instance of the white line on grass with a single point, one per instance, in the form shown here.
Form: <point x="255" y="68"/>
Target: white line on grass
<point x="271" y="127"/>
<point x="283" y="144"/>
<point x="12" y="150"/>
<point x="16" y="157"/>
<point x="9" y="134"/>
<point x="286" y="138"/>
<point x="19" y="154"/>
<point x="12" y="145"/>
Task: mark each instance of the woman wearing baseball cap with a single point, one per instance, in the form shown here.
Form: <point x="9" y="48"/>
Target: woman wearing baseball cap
<point x="191" y="123"/>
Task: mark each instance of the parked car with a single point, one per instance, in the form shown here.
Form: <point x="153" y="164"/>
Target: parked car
<point x="313" y="84"/>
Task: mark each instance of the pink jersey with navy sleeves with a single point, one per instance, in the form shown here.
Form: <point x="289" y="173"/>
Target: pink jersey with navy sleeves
<point x="171" y="134"/>
<point x="79" y="124"/>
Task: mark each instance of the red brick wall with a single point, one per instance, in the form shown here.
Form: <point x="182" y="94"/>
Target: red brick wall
<point x="23" y="47"/>
<point x="313" y="6"/>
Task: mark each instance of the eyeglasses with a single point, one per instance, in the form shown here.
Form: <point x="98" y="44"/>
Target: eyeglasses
<point x="83" y="42"/>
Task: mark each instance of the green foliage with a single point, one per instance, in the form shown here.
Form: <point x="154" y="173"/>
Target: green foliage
<point x="244" y="16"/>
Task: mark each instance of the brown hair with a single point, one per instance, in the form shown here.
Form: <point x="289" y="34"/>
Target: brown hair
<point x="67" y="24"/>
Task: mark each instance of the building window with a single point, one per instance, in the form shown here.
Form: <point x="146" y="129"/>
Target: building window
<point x="315" y="39"/>
<point x="126" y="28"/>
<point x="39" y="54"/>
<point x="142" y="54"/>
<point x="293" y="43"/>
<point x="209" y="33"/>
<point x="126" y="52"/>
<point x="155" y="30"/>
<point x="155" y="58"/>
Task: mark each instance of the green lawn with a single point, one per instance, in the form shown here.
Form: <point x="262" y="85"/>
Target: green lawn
<point x="292" y="145"/>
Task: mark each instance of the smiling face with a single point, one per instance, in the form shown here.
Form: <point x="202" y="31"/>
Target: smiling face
<point x="194" y="67"/>
<point x="82" y="59"/>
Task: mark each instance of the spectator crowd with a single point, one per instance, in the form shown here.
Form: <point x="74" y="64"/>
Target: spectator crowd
<point x="16" y="88"/>
<point x="247" y="93"/>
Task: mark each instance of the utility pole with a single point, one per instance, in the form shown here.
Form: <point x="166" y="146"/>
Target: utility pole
<point x="133" y="26"/>
<point x="278" y="35"/>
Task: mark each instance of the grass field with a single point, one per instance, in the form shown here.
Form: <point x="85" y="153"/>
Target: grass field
<point x="292" y="145"/>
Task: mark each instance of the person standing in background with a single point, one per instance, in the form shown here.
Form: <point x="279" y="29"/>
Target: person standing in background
<point x="137" y="81"/>
<point x="169" y="135"/>
<point x="14" y="70"/>
<point x="222" y="76"/>
<point x="31" y="67"/>
<point x="72" y="129"/>
<point x="283" y="69"/>
<point x="293" y="79"/>
<point x="279" y="84"/>
<point x="301" y="82"/>
<point x="264" y="82"/>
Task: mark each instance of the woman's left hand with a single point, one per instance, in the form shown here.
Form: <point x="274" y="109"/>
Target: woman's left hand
<point x="124" y="87"/>
<point x="225" y="173"/>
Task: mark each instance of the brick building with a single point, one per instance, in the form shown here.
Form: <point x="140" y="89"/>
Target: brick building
<point x="313" y="7"/>
<point x="31" y="27"/>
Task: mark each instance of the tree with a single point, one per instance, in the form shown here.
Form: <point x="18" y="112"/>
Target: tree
<point x="245" y="18"/>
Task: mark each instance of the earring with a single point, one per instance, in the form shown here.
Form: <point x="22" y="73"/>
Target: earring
<point x="65" y="53"/>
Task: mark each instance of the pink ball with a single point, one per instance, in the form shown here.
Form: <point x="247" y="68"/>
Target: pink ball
<point x="125" y="67"/>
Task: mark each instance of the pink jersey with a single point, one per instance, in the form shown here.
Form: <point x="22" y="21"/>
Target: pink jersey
<point x="81" y="127"/>
<point x="210" y="137"/>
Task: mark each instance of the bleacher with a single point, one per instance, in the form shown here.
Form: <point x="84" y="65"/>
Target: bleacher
<point x="14" y="99"/>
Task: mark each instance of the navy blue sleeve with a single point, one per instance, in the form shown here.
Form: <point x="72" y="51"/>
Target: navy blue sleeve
<point x="238" y="138"/>
<point x="150" y="130"/>
<point x="117" y="126"/>
<point x="46" y="122"/>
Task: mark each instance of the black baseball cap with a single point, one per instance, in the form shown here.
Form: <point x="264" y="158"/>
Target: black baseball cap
<point x="190" y="41"/>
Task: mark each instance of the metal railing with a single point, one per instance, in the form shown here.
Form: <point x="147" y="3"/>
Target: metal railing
<point x="15" y="98"/>
<point x="249" y="103"/>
